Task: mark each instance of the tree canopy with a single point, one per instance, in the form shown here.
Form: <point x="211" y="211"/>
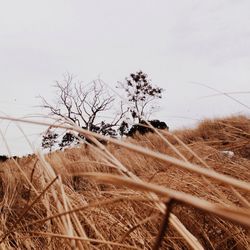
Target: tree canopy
<point x="140" y="94"/>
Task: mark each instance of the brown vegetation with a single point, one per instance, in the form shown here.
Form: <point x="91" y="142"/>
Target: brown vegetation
<point x="169" y="190"/>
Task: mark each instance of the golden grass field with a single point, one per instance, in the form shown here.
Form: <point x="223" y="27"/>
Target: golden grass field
<point x="158" y="191"/>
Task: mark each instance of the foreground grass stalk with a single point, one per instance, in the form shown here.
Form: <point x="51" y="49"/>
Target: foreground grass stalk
<point x="164" y="224"/>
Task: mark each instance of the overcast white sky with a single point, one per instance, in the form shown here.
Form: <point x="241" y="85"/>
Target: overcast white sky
<point x="174" y="42"/>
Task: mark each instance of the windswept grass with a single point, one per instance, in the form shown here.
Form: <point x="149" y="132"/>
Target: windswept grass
<point x="163" y="190"/>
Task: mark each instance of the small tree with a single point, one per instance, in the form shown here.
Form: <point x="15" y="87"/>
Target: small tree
<point x="83" y="105"/>
<point x="141" y="94"/>
<point x="49" y="139"/>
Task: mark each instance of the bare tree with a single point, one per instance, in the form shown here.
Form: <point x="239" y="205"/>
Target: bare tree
<point x="84" y="105"/>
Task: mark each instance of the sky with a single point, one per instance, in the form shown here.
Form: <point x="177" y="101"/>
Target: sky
<point x="181" y="45"/>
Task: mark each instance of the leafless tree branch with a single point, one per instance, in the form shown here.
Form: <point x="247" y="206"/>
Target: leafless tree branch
<point x="83" y="104"/>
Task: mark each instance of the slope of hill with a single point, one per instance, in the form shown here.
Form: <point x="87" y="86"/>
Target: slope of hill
<point x="180" y="190"/>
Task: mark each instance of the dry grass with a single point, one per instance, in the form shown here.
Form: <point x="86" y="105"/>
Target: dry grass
<point x="169" y="190"/>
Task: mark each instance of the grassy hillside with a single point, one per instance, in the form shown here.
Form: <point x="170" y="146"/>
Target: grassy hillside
<point x="180" y="190"/>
